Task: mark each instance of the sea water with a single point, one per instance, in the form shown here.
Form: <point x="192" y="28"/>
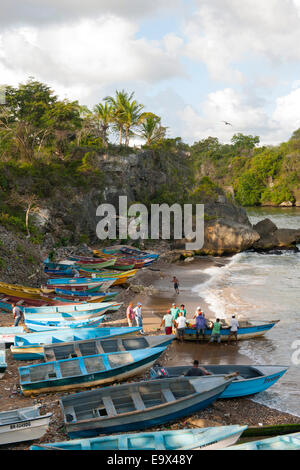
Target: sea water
<point x="264" y="287"/>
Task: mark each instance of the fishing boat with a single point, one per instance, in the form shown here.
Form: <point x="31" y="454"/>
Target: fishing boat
<point x="246" y="330"/>
<point x="6" y="302"/>
<point x="29" y="346"/>
<point x="213" y="438"/>
<point x="138" y="253"/>
<point x="100" y="282"/>
<point x="138" y="405"/>
<point x="19" y="290"/>
<point x="23" y="424"/>
<point x="8" y="333"/>
<point x="72" y="316"/>
<point x="3" y="364"/>
<point x="286" y="442"/>
<point x="89" y="308"/>
<point x="249" y="381"/>
<point x="86" y="294"/>
<point x="89" y="347"/>
<point x="86" y="371"/>
<point x="40" y="325"/>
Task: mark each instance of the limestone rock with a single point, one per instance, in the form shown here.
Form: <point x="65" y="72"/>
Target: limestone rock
<point x="265" y="227"/>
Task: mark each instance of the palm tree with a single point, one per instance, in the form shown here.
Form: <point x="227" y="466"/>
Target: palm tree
<point x="151" y="129"/>
<point x="103" y="114"/>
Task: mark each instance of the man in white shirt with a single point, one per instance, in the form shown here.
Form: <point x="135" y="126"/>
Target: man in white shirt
<point x="138" y="316"/>
<point x="181" y="324"/>
<point x="234" y="326"/>
<point x="17" y="314"/>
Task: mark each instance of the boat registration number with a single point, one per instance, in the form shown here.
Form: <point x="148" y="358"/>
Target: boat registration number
<point x="26" y="424"/>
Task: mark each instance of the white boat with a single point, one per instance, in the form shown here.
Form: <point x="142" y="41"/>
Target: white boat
<point x="23" y="424"/>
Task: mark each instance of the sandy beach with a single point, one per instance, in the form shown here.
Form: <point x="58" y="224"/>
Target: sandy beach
<point x="153" y="288"/>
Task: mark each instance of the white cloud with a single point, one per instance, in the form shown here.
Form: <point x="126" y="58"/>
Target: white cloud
<point x="223" y="33"/>
<point x="287" y="111"/>
<point x="87" y="54"/>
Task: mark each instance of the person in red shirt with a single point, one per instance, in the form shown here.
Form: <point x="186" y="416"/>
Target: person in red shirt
<point x="130" y="314"/>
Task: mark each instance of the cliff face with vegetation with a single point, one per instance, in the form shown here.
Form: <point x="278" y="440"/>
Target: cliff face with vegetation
<point x="57" y="166"/>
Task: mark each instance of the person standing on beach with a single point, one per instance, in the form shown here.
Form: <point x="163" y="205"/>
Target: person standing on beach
<point x="168" y="323"/>
<point x="234" y="326"/>
<point x="201" y="324"/>
<point x="215" y="334"/>
<point x="138" y="316"/>
<point x="176" y="284"/>
<point x="130" y="314"/>
<point x="174" y="311"/>
<point x="183" y="310"/>
<point x="17" y="314"/>
<point x="181" y="324"/>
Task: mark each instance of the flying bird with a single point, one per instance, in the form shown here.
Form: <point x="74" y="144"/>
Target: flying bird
<point x="227" y="123"/>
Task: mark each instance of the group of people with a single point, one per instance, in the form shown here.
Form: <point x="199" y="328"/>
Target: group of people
<point x="176" y="318"/>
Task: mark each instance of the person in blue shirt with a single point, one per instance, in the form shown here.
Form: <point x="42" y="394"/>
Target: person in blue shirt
<point x="201" y="324"/>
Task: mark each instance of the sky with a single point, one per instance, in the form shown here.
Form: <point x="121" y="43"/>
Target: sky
<point x="195" y="63"/>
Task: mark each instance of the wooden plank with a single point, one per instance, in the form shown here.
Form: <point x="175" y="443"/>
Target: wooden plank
<point x="138" y="401"/>
<point x="168" y="395"/>
<point x="110" y="407"/>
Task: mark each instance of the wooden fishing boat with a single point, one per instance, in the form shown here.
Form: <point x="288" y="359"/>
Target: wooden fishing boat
<point x="247" y="330"/>
<point x="18" y="289"/>
<point x="40" y="325"/>
<point x="73" y="315"/>
<point x="6" y="302"/>
<point x="138" y="405"/>
<point x="83" y="283"/>
<point x="213" y="438"/>
<point x="99" y="264"/>
<point x="23" y="424"/>
<point x="40" y="295"/>
<point x="87" y="371"/>
<point x="8" y="333"/>
<point x="92" y="308"/>
<point x="251" y="379"/>
<point x="3" y="364"/>
<point x="89" y="347"/>
<point x="86" y="294"/>
<point x="286" y="442"/>
<point x="29" y="346"/>
<point x="135" y="252"/>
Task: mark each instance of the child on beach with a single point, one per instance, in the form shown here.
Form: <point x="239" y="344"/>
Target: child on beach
<point x="176" y="284"/>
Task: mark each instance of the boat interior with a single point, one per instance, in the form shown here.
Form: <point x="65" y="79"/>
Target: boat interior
<point x="16" y="416"/>
<point x="245" y="372"/>
<point x="120" y="401"/>
<point x="92" y="347"/>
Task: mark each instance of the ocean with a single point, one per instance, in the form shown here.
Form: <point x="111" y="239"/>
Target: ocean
<point x="264" y="287"/>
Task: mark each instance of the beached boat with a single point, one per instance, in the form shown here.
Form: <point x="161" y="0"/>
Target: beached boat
<point x="91" y="308"/>
<point x="8" y="333"/>
<point x="213" y="438"/>
<point x="3" y="364"/>
<point x="86" y="371"/>
<point x="246" y="330"/>
<point x="19" y="290"/>
<point x="23" y="424"/>
<point x="72" y="316"/>
<point x="77" y="283"/>
<point x="6" y="302"/>
<point x="251" y="379"/>
<point x="137" y="253"/>
<point x="40" y="325"/>
<point x="285" y="442"/>
<point x="138" y="405"/>
<point x="86" y="294"/>
<point x="89" y="347"/>
<point x="29" y="346"/>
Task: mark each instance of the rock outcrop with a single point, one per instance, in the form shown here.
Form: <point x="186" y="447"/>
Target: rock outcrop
<point x="272" y="237"/>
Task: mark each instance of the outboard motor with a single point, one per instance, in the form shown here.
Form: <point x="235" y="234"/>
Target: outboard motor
<point x="158" y="372"/>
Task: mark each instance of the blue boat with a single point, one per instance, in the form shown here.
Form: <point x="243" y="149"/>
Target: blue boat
<point x="249" y="381"/>
<point x="8" y="333"/>
<point x="40" y="325"/>
<point x="30" y="345"/>
<point x="286" y="442"/>
<point x="213" y="438"/>
<point x="249" y="331"/>
<point x="104" y="282"/>
<point x="86" y="371"/>
<point x="3" y="364"/>
<point x="72" y="314"/>
<point x="138" y="405"/>
<point x="72" y="293"/>
<point x="91" y="347"/>
<point x="60" y="317"/>
<point x="95" y="307"/>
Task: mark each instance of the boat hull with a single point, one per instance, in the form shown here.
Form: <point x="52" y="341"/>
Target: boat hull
<point x="243" y="333"/>
<point x="24" y="431"/>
